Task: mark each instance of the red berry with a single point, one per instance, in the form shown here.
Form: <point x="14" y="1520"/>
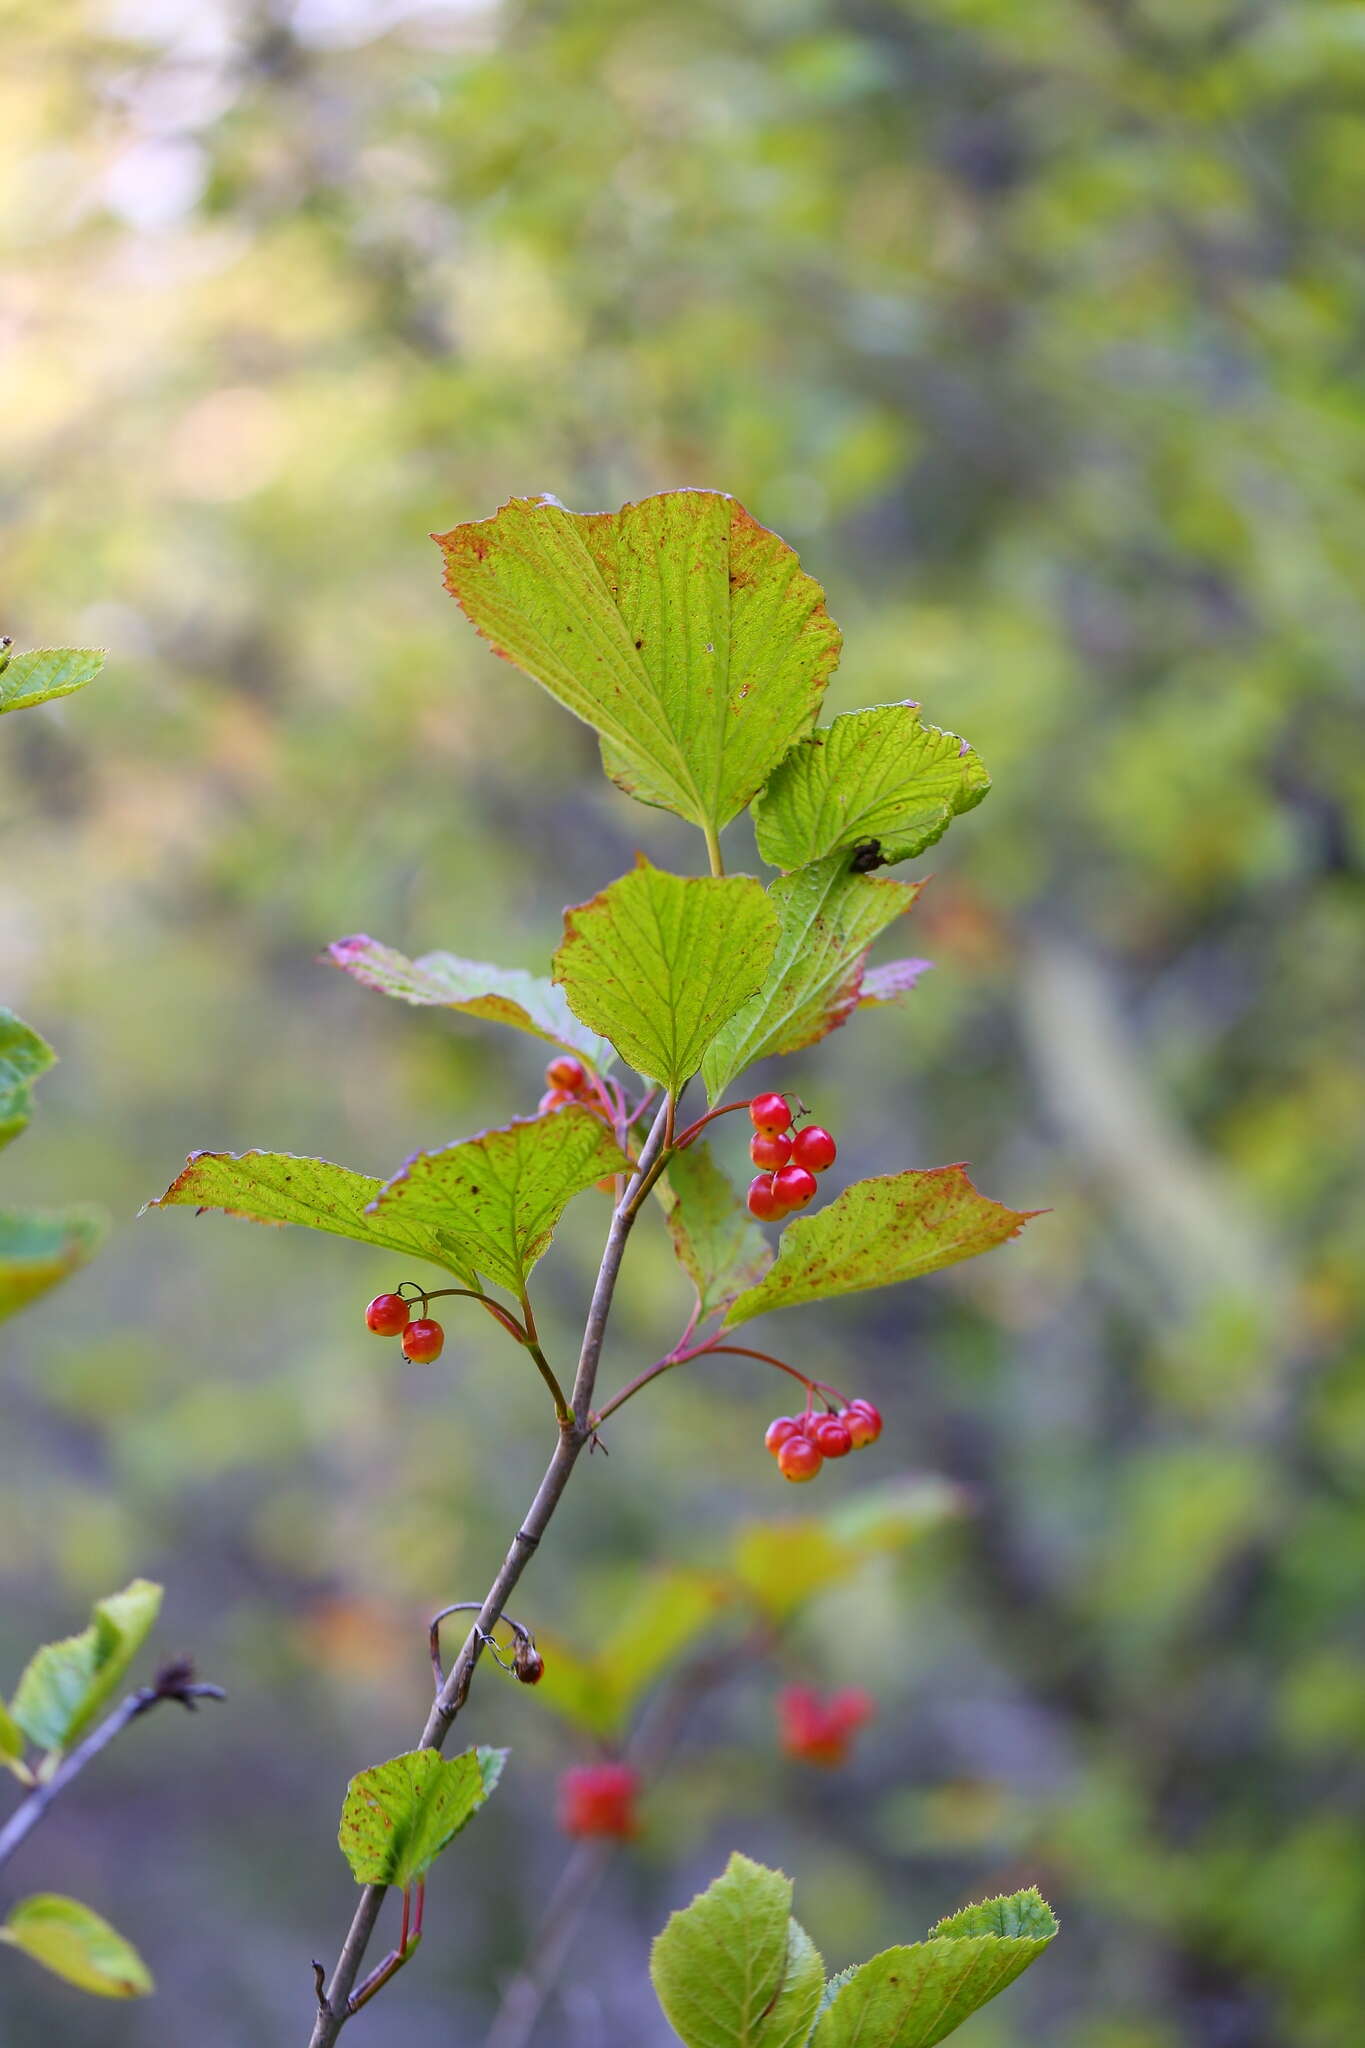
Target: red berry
<point x="770" y="1113"/>
<point x="553" y="1098"/>
<point x="832" y="1437"/>
<point x="816" y="1730"/>
<point x="761" y="1199"/>
<point x="387" y="1314"/>
<point x="798" y="1459"/>
<point x="569" y="1075"/>
<point x="423" y="1340"/>
<point x="814" y="1148"/>
<point x="864" y="1423"/>
<point x="770" y="1148"/>
<point x="793" y="1186"/>
<point x="780" y="1432"/>
<point x="528" y="1663"/>
<point x="599" y="1799"/>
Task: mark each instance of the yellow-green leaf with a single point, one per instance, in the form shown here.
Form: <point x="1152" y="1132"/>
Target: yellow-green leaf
<point x="681" y="630"/>
<point x="40" y="1247"/>
<point x="658" y="963"/>
<point x="878" y="775"/>
<point x="502" y="995"/>
<point x="501" y="1194"/>
<point x="12" y="1744"/>
<point x="66" y="1685"/>
<point x="830" y="916"/>
<point x="879" y="1232"/>
<point x="23" y="1057"/>
<point x="46" y="672"/>
<point x="732" y="1970"/>
<point x="717" y="1242"/>
<point x="398" y="1817"/>
<point x="74" y="1943"/>
<point x="599" y="1692"/>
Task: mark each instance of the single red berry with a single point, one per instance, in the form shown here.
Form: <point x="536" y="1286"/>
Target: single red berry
<point x="818" y="1730"/>
<point x="423" y="1340"/>
<point x="570" y="1075"/>
<point x="793" y="1186"/>
<point x="832" y="1437"/>
<point x="553" y="1098"/>
<point x="387" y="1314"/>
<point x="814" y="1148"/>
<point x="599" y="1799"/>
<point x="770" y="1148"/>
<point x="798" y="1459"/>
<point x="864" y="1423"/>
<point x="770" y="1113"/>
<point x="761" y="1199"/>
<point x="780" y="1432"/>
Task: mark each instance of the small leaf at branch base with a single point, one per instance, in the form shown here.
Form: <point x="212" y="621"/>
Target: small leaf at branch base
<point x="47" y="672"/>
<point x="502" y="995"/>
<point x="12" y="1744"/>
<point x="399" y="1816"/>
<point x="280" y="1187"/>
<point x="915" y="1997"/>
<point x="40" y="1247"/>
<point x="658" y="963"/>
<point x="718" y="1244"/>
<point x="721" y="1967"/>
<point x="501" y="1194"/>
<point x="830" y="916"/>
<point x="23" y="1057"/>
<point x="879" y="1232"/>
<point x="684" y="632"/>
<point x="878" y="774"/>
<point x="74" y="1943"/>
<point x="66" y="1685"/>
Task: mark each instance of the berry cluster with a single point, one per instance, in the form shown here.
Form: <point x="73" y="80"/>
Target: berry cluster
<point x="390" y="1315"/>
<point x="816" y="1730"/>
<point x="801" y="1443"/>
<point x="599" y="1799"/>
<point x="790" y="1160"/>
<point x="566" y="1080"/>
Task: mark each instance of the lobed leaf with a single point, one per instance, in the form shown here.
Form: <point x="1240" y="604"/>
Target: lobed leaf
<point x="879" y="1232"/>
<point x="40" y="1247"/>
<point x="829" y="918"/>
<point x="398" y="1817"/>
<point x="503" y="995"/>
<point x="681" y="630"/>
<point x="657" y="963"/>
<point x="23" y="1057"/>
<point x="717" y="1243"/>
<point x="500" y="1195"/>
<point x="281" y="1187"/>
<point x="66" y="1685"/>
<point x="734" y="1963"/>
<point x="916" y="1996"/>
<point x="46" y="672"/>
<point x="878" y="774"/>
<point x="76" y="1944"/>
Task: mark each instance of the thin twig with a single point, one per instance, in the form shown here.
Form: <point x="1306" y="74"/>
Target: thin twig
<point x="175" y="1682"/>
<point x="572" y="1438"/>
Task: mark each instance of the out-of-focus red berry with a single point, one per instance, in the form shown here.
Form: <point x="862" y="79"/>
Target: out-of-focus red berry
<point x="793" y="1186"/>
<point x="770" y="1149"/>
<point x="770" y="1113"/>
<point x="864" y="1423"/>
<point x="569" y="1075"/>
<point x="387" y="1314"/>
<point x="798" y="1459"/>
<point x="814" y="1148"/>
<point x="761" y="1200"/>
<point x="816" y="1728"/>
<point x="832" y="1437"/>
<point x="599" y="1799"/>
<point x="779" y="1431"/>
<point x="553" y="1098"/>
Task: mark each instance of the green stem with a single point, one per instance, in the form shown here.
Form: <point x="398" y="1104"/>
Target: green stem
<point x="713" y="852"/>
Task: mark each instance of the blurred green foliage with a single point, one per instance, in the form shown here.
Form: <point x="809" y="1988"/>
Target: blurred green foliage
<point x="1033" y="330"/>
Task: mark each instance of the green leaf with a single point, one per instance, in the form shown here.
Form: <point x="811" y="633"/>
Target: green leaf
<point x="680" y="629"/>
<point x="39" y="1247"/>
<point x="74" y="1943"/>
<point x="783" y="1564"/>
<point x="657" y="963"/>
<point x="23" y="1056"/>
<point x="503" y="995"/>
<point x="717" y="1242"/>
<point x="879" y="1232"/>
<point x="46" y="672"/>
<point x="879" y="774"/>
<point x="398" y="1816"/>
<point x="830" y="916"/>
<point x="734" y="1964"/>
<point x="500" y="1195"/>
<point x="669" y="1610"/>
<point x="12" y="1744"/>
<point x="280" y="1187"/>
<point x="916" y="1996"/>
<point x="68" y="1684"/>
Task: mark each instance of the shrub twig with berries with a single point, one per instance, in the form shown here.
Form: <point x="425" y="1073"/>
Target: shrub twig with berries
<point x="689" y="637"/>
